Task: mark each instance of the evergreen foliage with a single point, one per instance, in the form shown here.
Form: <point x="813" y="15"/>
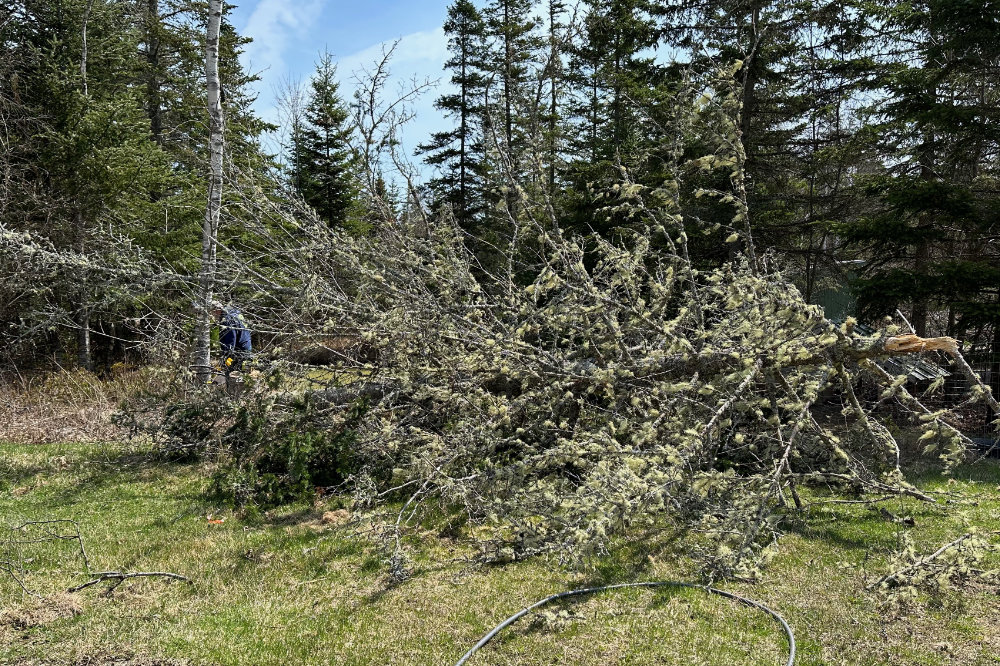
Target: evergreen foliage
<point x="459" y="153"/>
<point x="108" y="117"/>
<point x="322" y="155"/>
<point x="933" y="207"/>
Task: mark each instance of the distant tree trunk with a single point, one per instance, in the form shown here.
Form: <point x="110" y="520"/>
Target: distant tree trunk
<point x="919" y="312"/>
<point x="153" y="83"/>
<point x="462" y="134"/>
<point x="554" y="72"/>
<point x="751" y="77"/>
<point x="922" y="253"/>
<point x="994" y="373"/>
<point x="508" y="60"/>
<point x="210" y="227"/>
<point x="81" y="317"/>
<point x="83" y="55"/>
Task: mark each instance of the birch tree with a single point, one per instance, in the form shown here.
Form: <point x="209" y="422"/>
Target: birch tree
<point x="210" y="228"/>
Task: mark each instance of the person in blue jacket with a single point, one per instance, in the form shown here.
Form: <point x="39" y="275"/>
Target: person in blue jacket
<point x="234" y="336"/>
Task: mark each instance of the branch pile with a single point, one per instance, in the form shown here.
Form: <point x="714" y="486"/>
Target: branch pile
<point x="591" y="389"/>
<point x="558" y="390"/>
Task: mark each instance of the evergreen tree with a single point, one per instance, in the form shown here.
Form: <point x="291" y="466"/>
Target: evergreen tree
<point x="291" y="101"/>
<point x="933" y="208"/>
<point x="515" y="45"/>
<point x="803" y="66"/>
<point x="555" y="74"/>
<point x="94" y="163"/>
<point x="117" y="150"/>
<point x="327" y="161"/>
<point x="613" y="79"/>
<point x="458" y="153"/>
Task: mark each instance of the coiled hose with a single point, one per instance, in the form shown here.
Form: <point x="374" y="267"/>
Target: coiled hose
<point x="666" y="583"/>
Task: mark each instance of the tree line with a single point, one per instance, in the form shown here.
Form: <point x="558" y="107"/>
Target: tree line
<point x="868" y="132"/>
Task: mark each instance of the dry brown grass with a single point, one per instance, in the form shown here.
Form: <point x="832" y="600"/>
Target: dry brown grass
<point x="41" y="612"/>
<point x="65" y="406"/>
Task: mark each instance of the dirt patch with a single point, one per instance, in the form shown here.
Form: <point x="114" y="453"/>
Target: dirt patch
<point x="41" y="612"/>
<point x="338" y="517"/>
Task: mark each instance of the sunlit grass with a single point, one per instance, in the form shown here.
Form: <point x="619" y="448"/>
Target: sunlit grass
<point x="289" y="589"/>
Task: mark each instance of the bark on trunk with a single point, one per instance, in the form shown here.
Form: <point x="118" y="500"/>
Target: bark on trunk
<point x="153" y="83"/>
<point x="508" y="76"/>
<point x="919" y="312"/>
<point x="83" y="54"/>
<point x="922" y="253"/>
<point x="994" y="382"/>
<point x="554" y="94"/>
<point x="210" y="226"/>
<point x="81" y="315"/>
<point x="83" y="356"/>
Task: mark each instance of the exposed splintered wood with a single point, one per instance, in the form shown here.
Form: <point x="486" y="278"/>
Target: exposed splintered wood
<point x="915" y="343"/>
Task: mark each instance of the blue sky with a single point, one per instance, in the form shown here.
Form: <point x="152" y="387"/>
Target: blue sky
<point x="288" y="35"/>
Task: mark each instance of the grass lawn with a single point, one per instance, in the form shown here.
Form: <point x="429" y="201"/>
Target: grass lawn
<point x="291" y="588"/>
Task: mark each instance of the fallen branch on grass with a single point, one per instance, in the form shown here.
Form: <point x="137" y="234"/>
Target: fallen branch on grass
<point x="18" y="536"/>
<point x="50" y="534"/>
<point x="120" y="577"/>
<point x="10" y="569"/>
<point x="899" y="575"/>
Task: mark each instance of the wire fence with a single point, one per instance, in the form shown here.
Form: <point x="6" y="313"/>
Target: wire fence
<point x="976" y="420"/>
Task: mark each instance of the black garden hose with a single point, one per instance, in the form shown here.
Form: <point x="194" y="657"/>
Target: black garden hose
<point x="666" y="583"/>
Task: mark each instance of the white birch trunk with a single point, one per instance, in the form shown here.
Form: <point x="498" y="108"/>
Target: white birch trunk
<point x="82" y="316"/>
<point x="210" y="227"/>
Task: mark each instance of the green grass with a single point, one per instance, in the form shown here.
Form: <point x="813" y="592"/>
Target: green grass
<point x="289" y="589"/>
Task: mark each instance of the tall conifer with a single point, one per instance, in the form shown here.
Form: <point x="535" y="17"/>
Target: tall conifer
<point x="934" y="206"/>
<point x="325" y="157"/>
<point x="458" y="152"/>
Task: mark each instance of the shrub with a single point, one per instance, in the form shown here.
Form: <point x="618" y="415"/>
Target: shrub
<point x="271" y="461"/>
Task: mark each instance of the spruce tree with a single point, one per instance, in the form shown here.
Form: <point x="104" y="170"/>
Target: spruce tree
<point x="115" y="150"/>
<point x="612" y="79"/>
<point x="555" y="74"/>
<point x="326" y="158"/>
<point x="803" y="68"/>
<point x="94" y="162"/>
<point x="458" y="152"/>
<point x="514" y="46"/>
<point x="932" y="209"/>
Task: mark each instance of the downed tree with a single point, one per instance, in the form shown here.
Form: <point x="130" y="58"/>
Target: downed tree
<point x="617" y="388"/>
<point x="571" y="389"/>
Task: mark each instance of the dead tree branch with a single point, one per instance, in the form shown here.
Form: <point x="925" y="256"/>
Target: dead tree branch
<point x="120" y="577"/>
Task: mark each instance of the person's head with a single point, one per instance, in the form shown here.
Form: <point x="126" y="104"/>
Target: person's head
<point x="215" y="307"/>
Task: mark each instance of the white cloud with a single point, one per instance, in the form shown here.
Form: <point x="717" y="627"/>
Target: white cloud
<point x="272" y="25"/>
<point x="419" y="54"/>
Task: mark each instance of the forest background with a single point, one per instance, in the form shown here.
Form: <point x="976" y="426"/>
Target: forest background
<point x="870" y="135"/>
